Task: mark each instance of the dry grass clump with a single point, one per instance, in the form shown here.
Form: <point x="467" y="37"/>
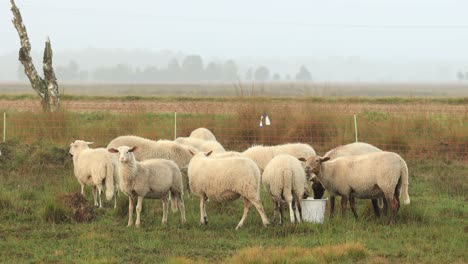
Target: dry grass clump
<point x="80" y="208"/>
<point x="325" y="254"/>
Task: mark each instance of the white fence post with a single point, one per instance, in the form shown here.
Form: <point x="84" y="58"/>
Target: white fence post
<point x="355" y="128"/>
<point x="4" y="126"/>
<point x="175" y="125"/>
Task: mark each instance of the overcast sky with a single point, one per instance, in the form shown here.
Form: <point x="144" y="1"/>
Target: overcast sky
<point x="376" y="29"/>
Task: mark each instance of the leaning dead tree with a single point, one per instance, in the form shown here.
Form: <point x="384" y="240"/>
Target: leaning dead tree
<point x="47" y="87"/>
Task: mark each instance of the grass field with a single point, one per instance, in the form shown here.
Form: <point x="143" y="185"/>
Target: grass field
<point x="35" y="174"/>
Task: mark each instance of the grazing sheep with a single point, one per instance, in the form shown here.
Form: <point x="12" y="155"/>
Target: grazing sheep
<point x="285" y="180"/>
<point x="201" y="145"/>
<point x="94" y="167"/>
<point x="153" y="178"/>
<point x="161" y="149"/>
<point x="203" y="133"/>
<point x="352" y="149"/>
<point x="368" y="176"/>
<point x="261" y="155"/>
<point x="225" y="179"/>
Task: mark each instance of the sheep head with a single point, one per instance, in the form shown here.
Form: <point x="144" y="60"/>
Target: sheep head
<point x="312" y="165"/>
<point x="124" y="151"/>
<point x="78" y="146"/>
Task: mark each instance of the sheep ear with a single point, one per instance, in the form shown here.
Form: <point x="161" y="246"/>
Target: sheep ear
<point x="191" y="152"/>
<point x="209" y="153"/>
<point x="112" y="150"/>
<point x="324" y="159"/>
<point x="133" y="149"/>
<point x="302" y="159"/>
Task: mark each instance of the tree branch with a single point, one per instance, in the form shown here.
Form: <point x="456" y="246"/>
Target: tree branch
<point x="50" y="78"/>
<point x="24" y="53"/>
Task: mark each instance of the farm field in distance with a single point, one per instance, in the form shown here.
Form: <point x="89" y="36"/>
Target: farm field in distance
<point x="430" y="133"/>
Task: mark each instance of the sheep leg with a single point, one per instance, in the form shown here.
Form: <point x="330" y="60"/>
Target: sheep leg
<point x="395" y="203"/>
<point x="165" y="204"/>
<point x="332" y="206"/>
<point x="344" y="204"/>
<point x="258" y="205"/>
<point x="281" y="212"/>
<point x="82" y="189"/>
<point x="95" y="196"/>
<point x="138" y="210"/>
<point x="244" y="216"/>
<point x="181" y="206"/>
<point x="130" y="211"/>
<point x="298" y="208"/>
<point x="100" y="192"/>
<point x="352" y="203"/>
<point x="385" y="207"/>
<point x="202" y="210"/>
<point x="291" y="211"/>
<point x="376" y="207"/>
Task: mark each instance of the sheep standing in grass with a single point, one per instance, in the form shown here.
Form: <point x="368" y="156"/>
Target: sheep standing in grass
<point x="96" y="168"/>
<point x="203" y="133"/>
<point x="161" y="149"/>
<point x="285" y="180"/>
<point x="201" y="145"/>
<point x="153" y="178"/>
<point x="262" y="155"/>
<point x="358" y="148"/>
<point x="225" y="179"/>
<point x="368" y="176"/>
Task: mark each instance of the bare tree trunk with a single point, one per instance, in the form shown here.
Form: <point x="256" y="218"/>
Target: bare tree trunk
<point x="46" y="88"/>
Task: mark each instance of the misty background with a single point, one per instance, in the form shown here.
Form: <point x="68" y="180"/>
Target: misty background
<point x="226" y="41"/>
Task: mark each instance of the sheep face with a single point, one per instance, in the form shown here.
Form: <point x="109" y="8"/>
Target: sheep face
<point x="77" y="146"/>
<point x="124" y="152"/>
<point x="312" y="165"/>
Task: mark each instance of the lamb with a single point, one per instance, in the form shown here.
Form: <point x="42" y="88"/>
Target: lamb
<point x="203" y="133"/>
<point x="153" y="178"/>
<point x="94" y="167"/>
<point x="225" y="179"/>
<point x="201" y="145"/>
<point x="285" y="180"/>
<point x="368" y="176"/>
<point x="161" y="149"/>
<point x="352" y="149"/>
<point x="261" y="155"/>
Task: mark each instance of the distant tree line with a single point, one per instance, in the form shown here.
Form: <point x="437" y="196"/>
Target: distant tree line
<point x="462" y="76"/>
<point x="191" y="69"/>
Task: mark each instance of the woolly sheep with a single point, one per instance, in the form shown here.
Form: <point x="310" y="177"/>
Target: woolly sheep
<point x="285" y="180"/>
<point x="94" y="167"/>
<point x="152" y="178"/>
<point x="357" y="148"/>
<point x="225" y="179"/>
<point x="161" y="149"/>
<point x="201" y="145"/>
<point x="203" y="133"/>
<point x="261" y="155"/>
<point x="374" y="175"/>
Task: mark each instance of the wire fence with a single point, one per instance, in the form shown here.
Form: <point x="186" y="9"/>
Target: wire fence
<point x="420" y="133"/>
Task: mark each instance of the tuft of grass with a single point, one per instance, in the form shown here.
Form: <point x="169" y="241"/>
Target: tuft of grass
<point x="348" y="252"/>
<point x="54" y="213"/>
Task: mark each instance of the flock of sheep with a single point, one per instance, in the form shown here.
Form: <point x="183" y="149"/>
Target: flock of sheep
<point x="143" y="168"/>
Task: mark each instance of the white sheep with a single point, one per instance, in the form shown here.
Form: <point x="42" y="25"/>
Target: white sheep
<point x="203" y="133"/>
<point x="374" y="175"/>
<point x="225" y="179"/>
<point x="261" y="155"/>
<point x="96" y="168"/>
<point x="201" y="145"/>
<point x="284" y="179"/>
<point x="161" y="149"/>
<point x="152" y="178"/>
<point x="357" y="148"/>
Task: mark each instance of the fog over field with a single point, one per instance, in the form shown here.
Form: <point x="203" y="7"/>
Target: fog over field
<point x="179" y="41"/>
